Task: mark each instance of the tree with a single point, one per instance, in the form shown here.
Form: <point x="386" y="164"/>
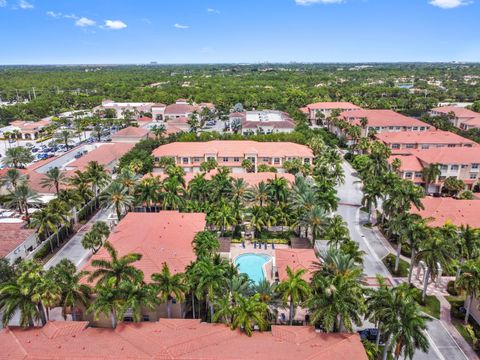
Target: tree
<point x="65" y="137"/>
<point x="13" y="177"/>
<point x="316" y="219"/>
<point x="249" y="311"/>
<point x="372" y="191"/>
<point x="136" y="297"/>
<point x="222" y="217"/>
<point x="97" y="176"/>
<point x="294" y="290"/>
<point x="169" y="286"/>
<point x="208" y="165"/>
<point x="109" y="301"/>
<point x="118" y="268"/>
<point x="434" y="250"/>
<point x="22" y="197"/>
<point x="53" y="178"/>
<point x="430" y="174"/>
<point x="117" y="196"/>
<point x="17" y="157"/>
<point x="73" y="291"/>
<point x="453" y="186"/>
<point x="336" y="231"/>
<point x="277" y="189"/>
<point x="45" y="222"/>
<point x="205" y="244"/>
<point x="469" y="281"/>
<point x="148" y="191"/>
<point x="248" y="165"/>
<point x="158" y="131"/>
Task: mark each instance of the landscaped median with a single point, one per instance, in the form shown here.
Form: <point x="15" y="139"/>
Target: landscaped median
<point x="470" y="331"/>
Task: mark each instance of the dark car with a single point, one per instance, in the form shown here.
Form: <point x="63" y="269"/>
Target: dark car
<point x="369" y="334"/>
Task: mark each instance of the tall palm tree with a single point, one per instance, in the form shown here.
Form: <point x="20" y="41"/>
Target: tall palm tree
<point x="17" y="157"/>
<point x="294" y="290"/>
<point x="469" y="281"/>
<point x="205" y="244"/>
<point x="222" y="217"/>
<point x="260" y="194"/>
<point x="430" y="174"/>
<point x="118" y="268"/>
<point x="22" y="197"/>
<point x="434" y="250"/>
<point x="97" y="175"/>
<point x="65" y="137"/>
<point x="73" y="291"/>
<point x="45" y="222"/>
<point x="137" y="296"/>
<point x="248" y="312"/>
<point x="109" y="301"/>
<point x="277" y="189"/>
<point x="316" y="219"/>
<point x="468" y="245"/>
<point x="147" y="192"/>
<point x="82" y="183"/>
<point x="336" y="231"/>
<point x="172" y="193"/>
<point x="372" y="192"/>
<point x="116" y="195"/>
<point x="54" y="177"/>
<point x="169" y="286"/>
<point x="13" y="177"/>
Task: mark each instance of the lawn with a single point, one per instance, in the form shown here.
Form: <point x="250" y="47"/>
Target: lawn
<point x="431" y="305"/>
<point x="403" y="266"/>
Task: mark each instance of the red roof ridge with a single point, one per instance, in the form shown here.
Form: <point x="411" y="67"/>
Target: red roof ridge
<point x="346" y="338"/>
<point x="55" y="329"/>
<point x="20" y="346"/>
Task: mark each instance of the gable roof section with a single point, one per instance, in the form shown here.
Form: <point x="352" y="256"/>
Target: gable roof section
<point x="164" y="237"/>
<point x="331" y="105"/>
<point x="446" y="155"/>
<point x="104" y="155"/>
<point x="295" y="259"/>
<point x="423" y="137"/>
<point x="382" y="118"/>
<point x="12" y="235"/>
<point x="131" y="131"/>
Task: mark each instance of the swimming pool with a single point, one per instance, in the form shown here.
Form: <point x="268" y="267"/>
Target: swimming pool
<point x="252" y="265"/>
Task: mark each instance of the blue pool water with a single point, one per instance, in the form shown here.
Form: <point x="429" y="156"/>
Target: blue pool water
<point x="251" y="264"/>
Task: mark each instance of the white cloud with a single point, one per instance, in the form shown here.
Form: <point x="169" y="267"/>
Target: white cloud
<point x="449" y="4"/>
<point x="54" y="14"/>
<point x="83" y="22"/>
<point x="115" y="24"/>
<point x="310" y="2"/>
<point x="3" y="3"/>
<point x="213" y="11"/>
<point x="24" y="4"/>
<point x="179" y="26"/>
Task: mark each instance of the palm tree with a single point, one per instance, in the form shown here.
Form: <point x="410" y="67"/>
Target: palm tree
<point x="377" y="302"/>
<point x="434" y="250"/>
<point x="17" y="157"/>
<point x="169" y="286"/>
<point x="158" y="131"/>
<point x="73" y="291"/>
<point x="22" y="197"/>
<point x="249" y="311"/>
<point x="117" y="196"/>
<point x="294" y="290"/>
<point x="109" y="301"/>
<point x="82" y="183"/>
<point x="128" y="179"/>
<point x="45" y="222"/>
<point x="372" y="191"/>
<point x="48" y="292"/>
<point x="468" y="245"/>
<point x="222" y="217"/>
<point x="469" y="281"/>
<point x="205" y="244"/>
<point x="13" y="177"/>
<point x="430" y="174"/>
<point x="277" y="189"/>
<point x="336" y="231"/>
<point x="171" y="196"/>
<point x="136" y="297"/>
<point x="147" y="192"/>
<point x="260" y="194"/>
<point x="316" y="219"/>
<point x="118" y="268"/>
<point x="53" y="178"/>
<point x="65" y="137"/>
<point x="97" y="176"/>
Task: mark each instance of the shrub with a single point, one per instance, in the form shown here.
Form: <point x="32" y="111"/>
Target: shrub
<point x="451" y="289"/>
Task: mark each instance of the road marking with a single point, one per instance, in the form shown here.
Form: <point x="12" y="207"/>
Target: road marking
<point x="434" y="346"/>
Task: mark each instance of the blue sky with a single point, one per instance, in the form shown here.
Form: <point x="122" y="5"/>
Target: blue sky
<point x="233" y="31"/>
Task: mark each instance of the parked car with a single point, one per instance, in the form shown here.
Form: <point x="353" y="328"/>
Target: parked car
<point x="29" y="145"/>
<point x="368" y="334"/>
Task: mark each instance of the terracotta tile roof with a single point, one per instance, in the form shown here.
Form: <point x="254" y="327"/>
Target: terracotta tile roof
<point x="382" y="118"/>
<point x="295" y="259"/>
<point x="175" y="109"/>
<point x="459" y="112"/>
<point x="446" y="155"/>
<point x="131" y="131"/>
<point x="104" y="155"/>
<point x="331" y="105"/>
<point x="449" y="210"/>
<point x="30" y="125"/>
<point x="409" y="162"/>
<point x="160" y="237"/>
<point x="232" y="148"/>
<point x="182" y="339"/>
<point x="423" y="137"/>
<point x="11" y="236"/>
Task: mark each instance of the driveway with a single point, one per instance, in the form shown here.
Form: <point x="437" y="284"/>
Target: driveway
<point x="442" y="345"/>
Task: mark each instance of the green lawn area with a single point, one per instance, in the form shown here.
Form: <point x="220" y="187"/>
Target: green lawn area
<point x="403" y="266"/>
<point x="431" y="305"/>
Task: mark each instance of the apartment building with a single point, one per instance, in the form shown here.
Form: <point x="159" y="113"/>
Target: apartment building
<point x="462" y="163"/>
<point x="405" y="141"/>
<point x="120" y="108"/>
<point x="16" y="240"/>
<point x="262" y="122"/>
<point x="460" y="117"/>
<point x="383" y="121"/>
<point x="316" y="110"/>
<point x="231" y="153"/>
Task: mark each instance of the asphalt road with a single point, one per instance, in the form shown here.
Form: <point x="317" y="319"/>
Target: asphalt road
<point x="442" y="345"/>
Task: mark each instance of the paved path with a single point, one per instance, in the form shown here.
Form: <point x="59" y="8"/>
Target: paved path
<point x="73" y="250"/>
<point x="442" y="345"/>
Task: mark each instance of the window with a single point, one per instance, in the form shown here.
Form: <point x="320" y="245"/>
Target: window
<point x="145" y="318"/>
<point x="408" y="175"/>
<point x="415" y="128"/>
<point x="422" y="128"/>
<point x="265" y="159"/>
<point x="225" y="159"/>
<point x="475" y="166"/>
<point x="236" y="159"/>
<point x="211" y="158"/>
<point x="395" y="146"/>
<point x="306" y="161"/>
<point x="276" y="161"/>
<point x="185" y="160"/>
<point x="425" y="146"/>
<point x="444" y="167"/>
<point x="196" y="159"/>
<point x="410" y="146"/>
<point x="454" y="167"/>
<point x="473" y="176"/>
<point x="451" y="145"/>
<point x="418" y="175"/>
